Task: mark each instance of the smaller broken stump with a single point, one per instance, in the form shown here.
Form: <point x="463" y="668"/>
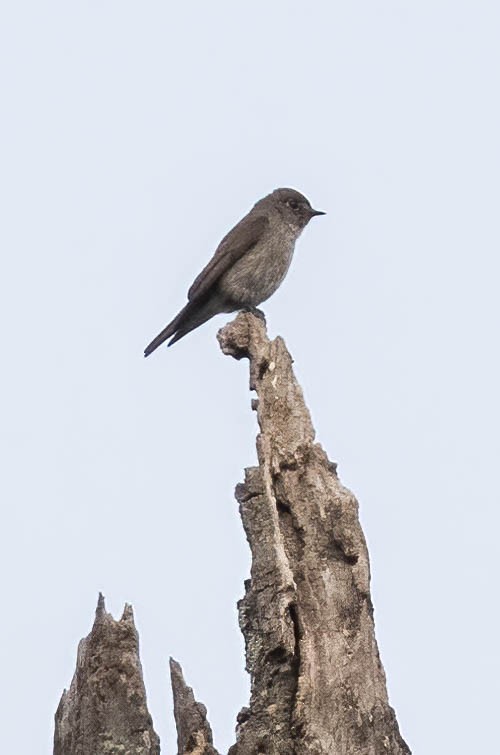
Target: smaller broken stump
<point x="105" y="712"/>
<point x="194" y="735"/>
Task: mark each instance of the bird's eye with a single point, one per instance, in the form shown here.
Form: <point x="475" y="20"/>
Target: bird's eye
<point x="293" y="204"/>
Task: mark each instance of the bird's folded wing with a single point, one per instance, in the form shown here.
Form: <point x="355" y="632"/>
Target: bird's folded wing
<point x="238" y="241"/>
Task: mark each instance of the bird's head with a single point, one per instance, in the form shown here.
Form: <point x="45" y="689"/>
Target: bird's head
<point x="293" y="207"/>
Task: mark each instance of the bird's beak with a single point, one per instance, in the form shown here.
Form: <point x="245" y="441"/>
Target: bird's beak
<point x="316" y="212"/>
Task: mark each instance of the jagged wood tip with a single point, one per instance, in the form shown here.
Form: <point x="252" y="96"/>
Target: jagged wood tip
<point x="105" y="709"/>
<point x="317" y="683"/>
<point x="194" y="734"/>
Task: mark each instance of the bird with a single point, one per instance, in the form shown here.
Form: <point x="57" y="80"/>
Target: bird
<point x="248" y="266"/>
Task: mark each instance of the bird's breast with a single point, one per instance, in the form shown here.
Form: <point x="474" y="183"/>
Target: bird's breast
<point x="257" y="275"/>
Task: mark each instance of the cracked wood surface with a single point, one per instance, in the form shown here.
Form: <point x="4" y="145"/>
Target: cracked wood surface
<point x="194" y="735"/>
<point x="317" y="683"/>
<point x="104" y="712"/>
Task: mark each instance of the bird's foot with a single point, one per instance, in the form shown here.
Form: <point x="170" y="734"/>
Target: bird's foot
<point x="256" y="312"/>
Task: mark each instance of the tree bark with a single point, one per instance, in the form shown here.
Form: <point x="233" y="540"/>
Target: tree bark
<point x="194" y="735"/>
<point x="105" y="710"/>
<point x="317" y="683"/>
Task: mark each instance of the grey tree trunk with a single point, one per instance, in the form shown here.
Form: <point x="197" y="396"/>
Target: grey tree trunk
<point x="317" y="683"/>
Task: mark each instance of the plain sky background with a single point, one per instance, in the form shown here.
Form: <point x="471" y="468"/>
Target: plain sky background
<point x="133" y="136"/>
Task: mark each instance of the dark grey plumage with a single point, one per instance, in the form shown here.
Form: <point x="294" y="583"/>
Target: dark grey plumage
<point x="248" y="265"/>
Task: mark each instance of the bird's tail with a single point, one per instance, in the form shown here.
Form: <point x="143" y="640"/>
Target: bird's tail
<point x="165" y="333"/>
<point x="192" y="315"/>
<point x="168" y="331"/>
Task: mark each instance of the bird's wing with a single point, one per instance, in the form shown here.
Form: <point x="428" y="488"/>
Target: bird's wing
<point x="239" y="240"/>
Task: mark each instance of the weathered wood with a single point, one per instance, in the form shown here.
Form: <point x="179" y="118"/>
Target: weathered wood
<point x="194" y="735"/>
<point x="104" y="712"/>
<point x="317" y="683"/>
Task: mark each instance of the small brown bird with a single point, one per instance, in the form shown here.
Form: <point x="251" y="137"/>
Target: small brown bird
<point x="248" y="265"/>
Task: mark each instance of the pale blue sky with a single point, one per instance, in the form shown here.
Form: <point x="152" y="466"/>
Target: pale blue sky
<point x="134" y="135"/>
